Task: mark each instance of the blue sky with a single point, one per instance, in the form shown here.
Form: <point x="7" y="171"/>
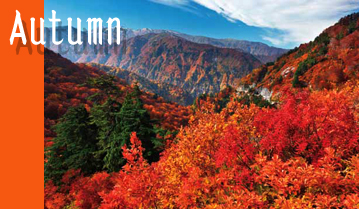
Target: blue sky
<point x="273" y="22"/>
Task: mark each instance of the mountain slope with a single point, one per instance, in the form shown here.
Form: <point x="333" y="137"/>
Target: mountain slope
<point x="167" y="91"/>
<point x="171" y="60"/>
<point x="64" y="88"/>
<point x="327" y="62"/>
<point x="196" y="68"/>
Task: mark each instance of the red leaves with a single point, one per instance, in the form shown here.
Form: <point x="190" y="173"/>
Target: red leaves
<point x="136" y="184"/>
<point x="306" y="124"/>
<point x="86" y="191"/>
<point x="295" y="182"/>
<point x="304" y="153"/>
<point x="53" y="198"/>
<point x="235" y="147"/>
<point x="79" y="191"/>
<point x="134" y="154"/>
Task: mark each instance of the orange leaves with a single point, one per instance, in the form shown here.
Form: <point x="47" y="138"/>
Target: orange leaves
<point x="136" y="185"/>
<point x="303" y="154"/>
<point x="295" y="181"/>
<point x="86" y="191"/>
<point x="133" y="155"/>
<point x="53" y="198"/>
<point x="351" y="201"/>
<point x="352" y="171"/>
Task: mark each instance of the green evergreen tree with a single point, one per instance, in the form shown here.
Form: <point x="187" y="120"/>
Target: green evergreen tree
<point x="74" y="146"/>
<point x="131" y="118"/>
<point x="107" y="85"/>
<point x="106" y="118"/>
<point x="93" y="141"/>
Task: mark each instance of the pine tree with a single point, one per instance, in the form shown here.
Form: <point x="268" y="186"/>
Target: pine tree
<point x="107" y="85"/>
<point x="132" y="118"/>
<point x="106" y="118"/>
<point x="74" y="146"/>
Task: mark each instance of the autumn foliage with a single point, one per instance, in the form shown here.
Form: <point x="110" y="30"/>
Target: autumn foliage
<point x="300" y="150"/>
<point x="64" y="88"/>
<point x="324" y="63"/>
<point x="301" y="154"/>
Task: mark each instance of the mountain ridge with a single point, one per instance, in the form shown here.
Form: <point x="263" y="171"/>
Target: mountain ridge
<point x="172" y="60"/>
<point x="328" y="62"/>
<point x="261" y="51"/>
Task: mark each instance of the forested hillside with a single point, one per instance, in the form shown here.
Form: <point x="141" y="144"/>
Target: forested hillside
<point x="296" y="149"/>
<point x="68" y="85"/>
<point x="325" y="63"/>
